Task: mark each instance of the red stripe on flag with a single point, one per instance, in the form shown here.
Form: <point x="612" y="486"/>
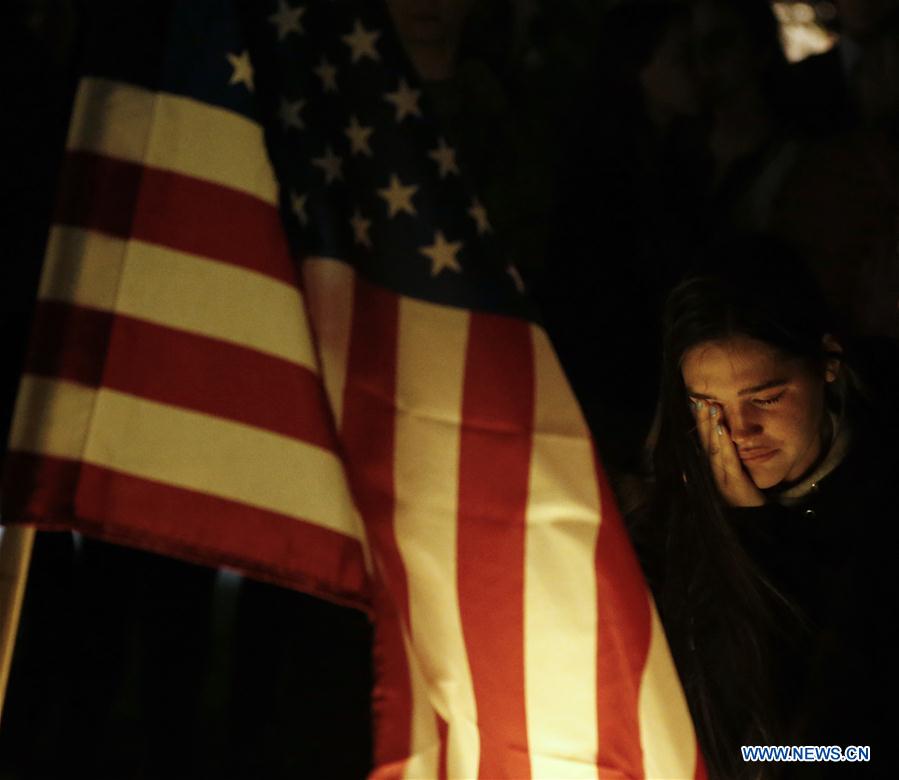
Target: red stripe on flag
<point x="128" y="200"/>
<point x="392" y="695"/>
<point x="39" y="489"/>
<point x="700" y="773"/>
<point x="98" y="192"/>
<point x="369" y="434"/>
<point x="494" y="462"/>
<point x="69" y="342"/>
<point x="443" y="736"/>
<point x="53" y="493"/>
<point x="624" y="631"/>
<point x="183" y="369"/>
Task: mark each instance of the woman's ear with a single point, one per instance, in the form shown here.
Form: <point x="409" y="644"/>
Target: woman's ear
<point x="832" y="365"/>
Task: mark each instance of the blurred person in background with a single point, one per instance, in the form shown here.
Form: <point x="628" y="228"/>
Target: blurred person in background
<point x="825" y="85"/>
<point x="840" y="204"/>
<point x="430" y="31"/>
<point x="874" y="309"/>
<point x="625" y="206"/>
<point x="743" y="79"/>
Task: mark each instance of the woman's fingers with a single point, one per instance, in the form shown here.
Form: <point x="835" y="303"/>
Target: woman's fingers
<point x="707" y="417"/>
<point x="703" y="427"/>
<point x="714" y="423"/>
<point x="729" y="466"/>
<point x="717" y="445"/>
<point x="729" y="458"/>
<point x="734" y="483"/>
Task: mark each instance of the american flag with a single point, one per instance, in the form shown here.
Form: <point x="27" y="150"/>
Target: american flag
<point x="384" y="424"/>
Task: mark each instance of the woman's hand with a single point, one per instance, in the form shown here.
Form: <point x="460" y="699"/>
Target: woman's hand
<point x="733" y="481"/>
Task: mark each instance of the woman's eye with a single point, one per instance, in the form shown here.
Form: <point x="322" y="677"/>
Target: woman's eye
<point x="769" y="401"/>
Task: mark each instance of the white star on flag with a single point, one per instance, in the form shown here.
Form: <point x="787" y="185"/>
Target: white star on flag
<point x="289" y="113"/>
<point x="331" y="164"/>
<point x="328" y="74"/>
<point x="298" y="207"/>
<point x="443" y="254"/>
<point x="359" y="135"/>
<point x="479" y="214"/>
<point x="398" y="197"/>
<point x="361" y="227"/>
<point x="287" y="20"/>
<point x="405" y="100"/>
<point x="243" y="69"/>
<point x="445" y="157"/>
<point x="362" y="43"/>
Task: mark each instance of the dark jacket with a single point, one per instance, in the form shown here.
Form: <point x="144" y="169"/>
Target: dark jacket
<point x="832" y="554"/>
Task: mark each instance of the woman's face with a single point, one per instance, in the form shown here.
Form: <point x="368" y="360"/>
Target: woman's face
<point x="772" y="405"/>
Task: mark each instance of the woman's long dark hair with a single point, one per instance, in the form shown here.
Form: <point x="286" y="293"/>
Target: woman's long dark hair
<point x="720" y="612"/>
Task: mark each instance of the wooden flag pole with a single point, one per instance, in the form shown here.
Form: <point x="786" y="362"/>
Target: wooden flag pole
<point x="15" y="558"/>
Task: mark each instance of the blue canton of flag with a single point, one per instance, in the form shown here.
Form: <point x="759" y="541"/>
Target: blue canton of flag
<point x="362" y="163"/>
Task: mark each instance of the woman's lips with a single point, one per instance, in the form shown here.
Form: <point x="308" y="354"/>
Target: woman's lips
<point x="757" y="456"/>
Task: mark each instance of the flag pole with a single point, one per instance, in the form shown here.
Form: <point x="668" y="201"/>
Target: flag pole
<point x="15" y="557"/>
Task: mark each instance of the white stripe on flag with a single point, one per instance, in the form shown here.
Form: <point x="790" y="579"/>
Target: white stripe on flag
<point x="430" y="374"/>
<point x="424" y="753"/>
<point x="666" y="729"/>
<point x="560" y="580"/>
<point x="52" y="417"/>
<point x="185" y="449"/>
<point x="179" y="290"/>
<point x="188" y="137"/>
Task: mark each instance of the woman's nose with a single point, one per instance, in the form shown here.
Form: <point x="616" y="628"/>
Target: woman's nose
<point x="743" y="424"/>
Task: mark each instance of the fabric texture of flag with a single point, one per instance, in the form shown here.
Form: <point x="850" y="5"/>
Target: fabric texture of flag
<point x="172" y="398"/>
<point x="384" y="424"/>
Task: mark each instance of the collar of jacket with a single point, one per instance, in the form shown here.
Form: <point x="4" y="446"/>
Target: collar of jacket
<point x="839" y="446"/>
